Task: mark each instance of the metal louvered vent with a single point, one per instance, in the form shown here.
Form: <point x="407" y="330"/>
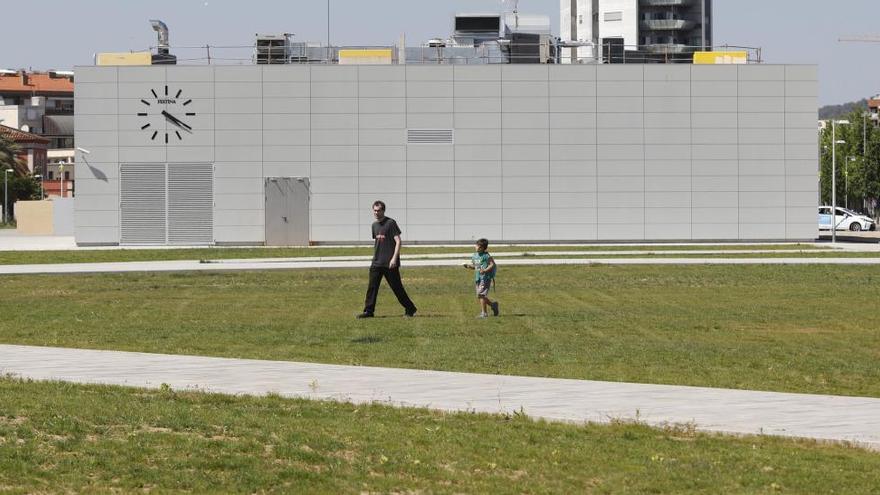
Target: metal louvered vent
<point x="142" y="203"/>
<point x="429" y="136"/>
<point x="190" y="203"/>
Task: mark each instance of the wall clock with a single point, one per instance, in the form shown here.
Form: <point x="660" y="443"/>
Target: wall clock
<point x="173" y="108"/>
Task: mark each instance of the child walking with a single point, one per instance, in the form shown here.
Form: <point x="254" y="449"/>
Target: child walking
<point x="484" y="268"/>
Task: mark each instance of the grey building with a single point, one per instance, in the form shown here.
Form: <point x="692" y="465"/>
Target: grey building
<point x="294" y="153"/>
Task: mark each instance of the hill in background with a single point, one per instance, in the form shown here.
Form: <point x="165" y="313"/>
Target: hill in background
<point x="835" y="111"/>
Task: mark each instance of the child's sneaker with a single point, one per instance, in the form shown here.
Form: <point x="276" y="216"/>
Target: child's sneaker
<point x="482" y="315"/>
<point x="494" y="307"/>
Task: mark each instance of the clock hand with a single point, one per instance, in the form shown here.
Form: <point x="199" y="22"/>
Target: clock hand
<point x="176" y="121"/>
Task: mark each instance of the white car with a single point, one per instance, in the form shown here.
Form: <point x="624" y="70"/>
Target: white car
<point x="844" y="220"/>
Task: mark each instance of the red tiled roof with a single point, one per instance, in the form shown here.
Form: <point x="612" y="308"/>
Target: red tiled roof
<point x="36" y="83"/>
<point x="17" y="136"/>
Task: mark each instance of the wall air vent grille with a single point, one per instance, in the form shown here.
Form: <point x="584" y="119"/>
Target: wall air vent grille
<point x="429" y="136"/>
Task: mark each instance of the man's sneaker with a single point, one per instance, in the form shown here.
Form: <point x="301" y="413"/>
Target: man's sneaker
<point x="364" y="315"/>
<point x="482" y="315"/>
<point x="494" y="307"/>
<point x="410" y="313"/>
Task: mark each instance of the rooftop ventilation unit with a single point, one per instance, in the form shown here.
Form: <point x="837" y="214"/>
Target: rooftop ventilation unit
<point x="475" y="29"/>
<point x="272" y="49"/>
<point x="163" y="54"/>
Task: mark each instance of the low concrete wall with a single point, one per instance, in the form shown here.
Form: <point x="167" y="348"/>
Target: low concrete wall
<point x="34" y="217"/>
<point x="62" y="216"/>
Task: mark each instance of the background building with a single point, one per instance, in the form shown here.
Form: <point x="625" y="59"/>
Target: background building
<point x="287" y="154"/>
<point x="646" y="30"/>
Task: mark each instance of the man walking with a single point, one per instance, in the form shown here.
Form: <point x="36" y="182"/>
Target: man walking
<point x="386" y="263"/>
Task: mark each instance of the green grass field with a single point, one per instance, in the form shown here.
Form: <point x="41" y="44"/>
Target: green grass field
<point x="61" y="438"/>
<point x="114" y="255"/>
<point x="780" y="328"/>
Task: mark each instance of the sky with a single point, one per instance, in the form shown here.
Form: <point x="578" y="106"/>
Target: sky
<point x="65" y="33"/>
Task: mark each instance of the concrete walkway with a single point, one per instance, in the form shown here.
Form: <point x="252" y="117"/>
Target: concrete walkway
<point x="832" y="418"/>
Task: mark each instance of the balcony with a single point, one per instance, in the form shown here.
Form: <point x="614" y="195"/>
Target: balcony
<point x="665" y="3"/>
<point x="668" y="24"/>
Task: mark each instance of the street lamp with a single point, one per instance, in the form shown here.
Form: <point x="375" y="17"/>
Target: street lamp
<point x="6" y="195"/>
<point x="38" y="176"/>
<point x="846" y="179"/>
<point x="834" y="143"/>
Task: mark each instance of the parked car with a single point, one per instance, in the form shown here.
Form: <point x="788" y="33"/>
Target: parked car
<point x="845" y="220"/>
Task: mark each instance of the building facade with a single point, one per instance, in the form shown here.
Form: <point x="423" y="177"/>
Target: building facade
<point x="653" y="27"/>
<point x="198" y="155"/>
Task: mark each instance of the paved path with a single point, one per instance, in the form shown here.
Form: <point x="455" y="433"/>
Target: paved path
<point x="823" y="417"/>
<point x="301" y="263"/>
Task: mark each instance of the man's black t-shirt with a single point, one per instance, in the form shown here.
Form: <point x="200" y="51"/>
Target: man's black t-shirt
<point x="384" y="232"/>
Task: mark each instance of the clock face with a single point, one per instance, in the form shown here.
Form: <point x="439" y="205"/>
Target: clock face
<point x="172" y="106"/>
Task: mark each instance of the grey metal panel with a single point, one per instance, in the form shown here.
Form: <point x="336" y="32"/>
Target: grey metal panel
<point x="801" y="214"/>
<point x="573" y="152"/>
<point x="527" y="137"/>
<point x="293" y="137"/>
<point x="566" y="232"/>
<point x="381" y="73"/>
<point x="286" y="106"/>
<point x="234" y="185"/>
<point x="573" y="216"/>
<point x="478" y="136"/>
<point x="761" y="88"/>
<point x="668" y="88"/>
<point x="286" y="153"/>
<point x="334" y="121"/>
<point x="799" y="73"/>
<point x="187" y="73"/>
<point x="620" y="73"/>
<point x="238" y="154"/>
<point x="666" y="215"/>
<point x="800" y="183"/>
<point x="321" y="73"/>
<point x="485" y="104"/>
<point x="139" y="153"/>
<point x="465" y="231"/>
<point x="714" y="152"/>
<point x="572" y="72"/>
<point x="382" y="121"/>
<point x="572" y="136"/>
<point x="620" y="104"/>
<point x="467" y="169"/>
<point x="801" y="104"/>
<point x="610" y="89"/>
<point x="96" y="235"/>
<point x="711" y="215"/>
<point x="239" y="105"/>
<point x="512" y="120"/>
<point x="478" y="185"/>
<point x="384" y="89"/>
<point x="190" y="153"/>
<point x="719" y="183"/>
<point x="667" y="136"/>
<point x="667" y="104"/>
<point x="574" y="200"/>
<point x="711" y="89"/>
<point x="619" y="136"/>
<point x="334" y="185"/>
<point x="762" y="167"/>
<point x="428" y="184"/>
<point x="334" y="105"/>
<point x="714" y="199"/>
<point x="477" y="73"/>
<point x="715" y="167"/>
<point x="620" y="152"/>
<point x="716" y="120"/>
<point x="381" y="137"/>
<point x="573" y="104"/>
<point x="763" y="151"/>
<point x="669" y="231"/>
<point x="429" y="105"/>
<point x="334" y="201"/>
<point x="100" y="90"/>
<point x="339" y="137"/>
<point x="527" y="168"/>
<point x="477" y="120"/>
<point x="716" y="104"/>
<point x="102" y="218"/>
<point x="334" y="89"/>
<point x="624" y="184"/>
<point x="573" y="120"/>
<point x="414" y="168"/>
<point x="433" y="216"/>
<point x="329" y="169"/>
<point x="761" y="136"/>
<point x="710" y="136"/>
<point x="430" y="120"/>
<point x="95" y="74"/>
<point x="430" y="200"/>
<point x="524" y="72"/>
<point x="761" y="72"/>
<point x="621" y="231"/>
<point x="530" y="89"/>
<point x="566" y="89"/>
<point x="286" y="89"/>
<point x="757" y="200"/>
<point x="667" y="72"/>
<point x="525" y="105"/>
<point x="805" y="120"/>
<point x="391" y="153"/>
<point x="237" y="169"/>
<point x="526" y="211"/>
<point x="669" y="120"/>
<point x="802" y="167"/>
<point x="620" y="120"/>
<point x="96" y="138"/>
<point x="668" y="183"/>
<point x="235" y="218"/>
<point x="232" y="73"/>
<point x="429" y="89"/>
<point x="713" y="73"/>
<point x="141" y="74"/>
<point x="801" y="136"/>
<point x="239" y="202"/>
<point x="336" y="233"/>
<point x="427" y="152"/>
<point x="477" y="201"/>
<point x="762" y="231"/>
<point x="96" y="106"/>
<point x="239" y="137"/>
<point x="668" y="167"/>
<point x="428" y="73"/>
<point x="762" y="183"/>
<point x="714" y="231"/>
<point x="621" y="167"/>
<point x="97" y="202"/>
<point x="667" y="152"/>
<point x="286" y="73"/>
<point x="761" y="105"/>
<point x="799" y="231"/>
<point x="573" y="184"/>
<point x="334" y="153"/>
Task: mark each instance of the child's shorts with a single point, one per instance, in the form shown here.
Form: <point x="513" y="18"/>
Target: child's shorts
<point x="483" y="287"/>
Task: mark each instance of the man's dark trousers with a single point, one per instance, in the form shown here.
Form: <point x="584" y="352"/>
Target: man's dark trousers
<point x="392" y="275"/>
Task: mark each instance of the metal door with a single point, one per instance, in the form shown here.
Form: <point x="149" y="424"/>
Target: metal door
<point x="287" y="211"/>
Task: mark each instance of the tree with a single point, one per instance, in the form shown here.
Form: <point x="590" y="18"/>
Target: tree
<point x="21" y="185"/>
<point x="862" y="174"/>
